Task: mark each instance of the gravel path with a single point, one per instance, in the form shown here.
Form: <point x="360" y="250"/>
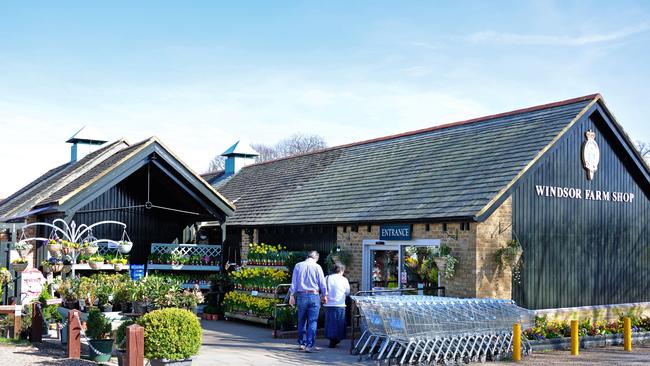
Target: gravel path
<point x="43" y="354"/>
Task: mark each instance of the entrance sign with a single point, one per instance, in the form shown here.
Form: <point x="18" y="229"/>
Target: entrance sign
<point x="395" y="232"/>
<point x="31" y="285"/>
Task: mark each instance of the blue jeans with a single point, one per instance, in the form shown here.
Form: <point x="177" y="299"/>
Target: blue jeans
<point x="308" y="309"/>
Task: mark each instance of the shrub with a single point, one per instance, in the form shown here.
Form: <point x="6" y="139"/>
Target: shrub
<point x="98" y="327"/>
<point x="120" y="334"/>
<point x="172" y="334"/>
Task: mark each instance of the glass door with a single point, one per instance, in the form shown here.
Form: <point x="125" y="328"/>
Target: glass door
<point x="381" y="267"/>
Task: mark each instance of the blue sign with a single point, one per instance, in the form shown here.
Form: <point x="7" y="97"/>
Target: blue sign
<point x="395" y="232"/>
<point x="136" y="271"/>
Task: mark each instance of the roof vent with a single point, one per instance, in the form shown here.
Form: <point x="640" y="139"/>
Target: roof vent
<point x="83" y="137"/>
<point x="238" y="156"/>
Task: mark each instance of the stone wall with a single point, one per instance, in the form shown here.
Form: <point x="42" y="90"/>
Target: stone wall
<point x="492" y="279"/>
<point x="598" y="312"/>
<point x="246" y="241"/>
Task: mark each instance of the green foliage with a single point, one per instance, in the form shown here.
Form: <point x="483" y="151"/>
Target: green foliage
<point x="338" y="255"/>
<point x="545" y="329"/>
<point x="98" y="327"/>
<point x="444" y="251"/>
<point x="50" y="312"/>
<point x="120" y="334"/>
<point x="294" y="258"/>
<point x="172" y="334"/>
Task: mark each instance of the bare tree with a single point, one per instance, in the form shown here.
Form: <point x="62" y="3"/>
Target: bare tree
<point x="217" y="163"/>
<point x="293" y="145"/>
<point x="265" y="152"/>
<point x="644" y="149"/>
<point x="299" y="144"/>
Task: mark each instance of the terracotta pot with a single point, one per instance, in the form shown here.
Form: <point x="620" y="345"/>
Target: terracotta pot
<point x="118" y="266"/>
<point x="56" y="268"/>
<point x="95" y="265"/>
<point x="90" y="250"/>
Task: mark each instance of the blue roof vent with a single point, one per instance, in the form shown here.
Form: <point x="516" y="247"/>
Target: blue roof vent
<point x="83" y="137"/>
<point x="238" y="156"/>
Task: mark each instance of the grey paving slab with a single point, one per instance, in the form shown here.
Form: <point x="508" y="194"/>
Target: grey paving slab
<point x="229" y="342"/>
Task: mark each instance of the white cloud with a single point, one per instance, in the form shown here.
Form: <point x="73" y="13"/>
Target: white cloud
<point x="491" y="36"/>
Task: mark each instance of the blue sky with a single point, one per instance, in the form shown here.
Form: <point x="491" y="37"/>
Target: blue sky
<point x="202" y="75"/>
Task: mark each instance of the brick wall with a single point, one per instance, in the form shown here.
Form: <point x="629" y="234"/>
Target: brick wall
<point x="246" y="240"/>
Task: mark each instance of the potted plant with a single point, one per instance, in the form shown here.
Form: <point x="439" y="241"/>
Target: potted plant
<point x="445" y="262"/>
<point x="98" y="329"/>
<point x="118" y="263"/>
<point x="124" y="246"/>
<point x="68" y="247"/>
<point x="171" y="337"/>
<point x="96" y="262"/>
<point x="19" y="264"/>
<point x="89" y="248"/>
<point x="54" y="247"/>
<point x="120" y="341"/>
<point x="23" y="248"/>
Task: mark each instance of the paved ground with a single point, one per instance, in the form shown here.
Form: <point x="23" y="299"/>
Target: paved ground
<point x="234" y="343"/>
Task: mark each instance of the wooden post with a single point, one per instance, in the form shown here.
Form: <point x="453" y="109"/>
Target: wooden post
<point x="627" y="334"/>
<point x="17" y="322"/>
<point x="74" y="334"/>
<point x="37" y="323"/>
<point x="516" y="342"/>
<point x="574" y="337"/>
<point x="134" y="345"/>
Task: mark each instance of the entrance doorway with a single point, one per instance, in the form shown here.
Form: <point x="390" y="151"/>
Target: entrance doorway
<point x="399" y="264"/>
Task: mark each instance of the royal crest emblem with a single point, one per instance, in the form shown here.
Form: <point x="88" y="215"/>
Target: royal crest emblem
<point x="590" y="154"/>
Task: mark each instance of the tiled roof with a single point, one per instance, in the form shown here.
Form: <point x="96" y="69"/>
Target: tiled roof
<point x="211" y="177"/>
<point x="448" y="171"/>
<point x="52" y="181"/>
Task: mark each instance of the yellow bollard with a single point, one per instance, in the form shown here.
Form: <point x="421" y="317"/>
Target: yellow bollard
<point x="627" y="334"/>
<point x="516" y="342"/>
<point x="574" y="338"/>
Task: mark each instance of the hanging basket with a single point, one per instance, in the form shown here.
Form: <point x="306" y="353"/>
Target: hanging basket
<point x="511" y="259"/>
<point x="54" y="248"/>
<point x="125" y="246"/>
<point x="89" y="250"/>
<point x="25" y="250"/>
<point x="441" y="263"/>
<point x="56" y="268"/>
<point x="67" y="268"/>
<point x="19" y="267"/>
<point x="96" y="265"/>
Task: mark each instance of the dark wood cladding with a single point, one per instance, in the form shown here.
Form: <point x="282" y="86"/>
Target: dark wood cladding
<point x="318" y="237"/>
<point x="582" y="252"/>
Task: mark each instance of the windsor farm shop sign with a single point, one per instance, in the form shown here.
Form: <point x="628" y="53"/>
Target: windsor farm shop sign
<point x="583" y="194"/>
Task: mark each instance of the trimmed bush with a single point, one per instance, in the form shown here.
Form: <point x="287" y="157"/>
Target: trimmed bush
<point x="171" y="334"/>
<point x="98" y="327"/>
<point x="120" y="334"/>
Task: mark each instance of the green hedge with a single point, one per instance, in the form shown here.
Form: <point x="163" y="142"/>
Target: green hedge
<point x="172" y="334"/>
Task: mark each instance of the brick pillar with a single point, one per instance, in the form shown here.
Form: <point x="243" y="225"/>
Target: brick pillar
<point x="37" y="323"/>
<point x="74" y="334"/>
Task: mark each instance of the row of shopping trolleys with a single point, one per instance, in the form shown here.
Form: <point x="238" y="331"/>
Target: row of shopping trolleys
<point x="427" y="330"/>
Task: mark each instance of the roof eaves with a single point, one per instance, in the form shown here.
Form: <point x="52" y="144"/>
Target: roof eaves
<point x="540" y="154"/>
<point x="102" y="174"/>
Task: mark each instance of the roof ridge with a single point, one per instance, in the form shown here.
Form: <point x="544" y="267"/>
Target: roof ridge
<point x="440" y="127"/>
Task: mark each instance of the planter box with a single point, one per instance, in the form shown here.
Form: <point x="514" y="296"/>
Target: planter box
<point x="589" y="341"/>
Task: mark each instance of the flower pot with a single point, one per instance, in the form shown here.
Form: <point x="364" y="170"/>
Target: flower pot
<point x="54" y="248"/>
<point x="64" y="335"/>
<point x="19" y="267"/>
<point x="107" y="308"/>
<point x="118" y="266"/>
<point x="121" y="358"/>
<point x="105" y="346"/>
<point x="96" y="265"/>
<point x="67" y="268"/>
<point x="125" y="247"/>
<point x="187" y="362"/>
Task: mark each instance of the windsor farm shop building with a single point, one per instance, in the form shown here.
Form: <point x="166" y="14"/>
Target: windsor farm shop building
<point x="563" y="179"/>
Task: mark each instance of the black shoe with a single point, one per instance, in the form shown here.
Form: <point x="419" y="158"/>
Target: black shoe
<point x="332" y="343"/>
